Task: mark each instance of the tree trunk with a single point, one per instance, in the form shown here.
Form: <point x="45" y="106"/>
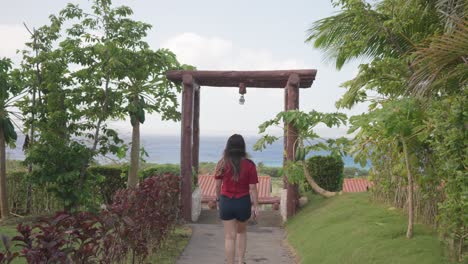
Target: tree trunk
<point x="409" y="231"/>
<point x="29" y="191"/>
<point x="3" y="190"/>
<point x="30" y="166"/>
<point x="314" y="185"/>
<point x="460" y="248"/>
<point x="134" y="156"/>
<point x="103" y="116"/>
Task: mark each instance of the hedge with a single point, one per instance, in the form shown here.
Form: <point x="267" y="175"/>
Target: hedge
<point x="160" y="169"/>
<point x="327" y="171"/>
<point x="112" y="179"/>
<point x="42" y="201"/>
<point x="108" y="179"/>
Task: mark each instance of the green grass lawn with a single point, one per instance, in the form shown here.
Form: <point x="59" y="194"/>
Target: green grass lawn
<point x="351" y="229"/>
<point x="8" y="230"/>
<point x="173" y="247"/>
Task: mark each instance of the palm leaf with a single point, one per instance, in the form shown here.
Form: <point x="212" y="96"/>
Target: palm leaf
<point x="442" y="62"/>
<point x="337" y="36"/>
<point x="359" y="31"/>
<point x="450" y="11"/>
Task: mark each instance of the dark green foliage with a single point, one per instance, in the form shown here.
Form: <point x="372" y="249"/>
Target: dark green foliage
<point x="350" y="172"/>
<point x="43" y="202"/>
<point x="160" y="169"/>
<point x="111" y="179"/>
<point x="59" y="166"/>
<point x="209" y="167"/>
<point x="327" y="171"/>
<point x="107" y="180"/>
<point x="270" y="171"/>
<point x="206" y="167"/>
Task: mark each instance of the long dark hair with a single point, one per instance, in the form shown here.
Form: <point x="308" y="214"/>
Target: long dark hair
<point x="234" y="153"/>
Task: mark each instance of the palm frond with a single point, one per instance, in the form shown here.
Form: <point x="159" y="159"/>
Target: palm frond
<point x="360" y="32"/>
<point x="450" y="11"/>
<point x="337" y="36"/>
<point x="441" y="62"/>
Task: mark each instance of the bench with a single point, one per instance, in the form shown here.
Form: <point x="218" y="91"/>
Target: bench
<point x="207" y="185"/>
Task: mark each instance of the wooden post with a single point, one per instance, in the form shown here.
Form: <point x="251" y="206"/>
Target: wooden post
<point x="285" y="141"/>
<point x="293" y="103"/>
<point x="186" y="146"/>
<point x="196" y="130"/>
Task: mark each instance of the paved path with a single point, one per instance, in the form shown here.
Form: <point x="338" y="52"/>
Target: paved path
<point x="265" y="245"/>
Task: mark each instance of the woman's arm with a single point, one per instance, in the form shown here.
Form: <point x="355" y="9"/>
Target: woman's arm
<point x="218" y="188"/>
<point x="219" y="171"/>
<point x="254" y="196"/>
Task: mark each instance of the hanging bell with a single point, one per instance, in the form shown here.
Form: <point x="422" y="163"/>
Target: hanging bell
<point x="241" y="100"/>
<point x="242" y="91"/>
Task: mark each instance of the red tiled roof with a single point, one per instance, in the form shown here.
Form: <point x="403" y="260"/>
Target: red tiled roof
<point x="356" y="185"/>
<point x="207" y="185"/>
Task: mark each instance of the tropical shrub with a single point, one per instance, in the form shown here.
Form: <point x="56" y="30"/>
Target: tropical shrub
<point x="307" y="140"/>
<point x="148" y="212"/>
<point x="327" y="171"/>
<point x="111" y="179"/>
<point x="160" y="169"/>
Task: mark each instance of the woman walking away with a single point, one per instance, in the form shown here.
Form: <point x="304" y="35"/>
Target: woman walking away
<point x="236" y="189"/>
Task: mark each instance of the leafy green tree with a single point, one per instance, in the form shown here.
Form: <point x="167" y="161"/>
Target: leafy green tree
<point x="33" y="80"/>
<point x="71" y="77"/>
<point x="121" y="71"/>
<point x="307" y="141"/>
<point x="447" y="134"/>
<point x="146" y="90"/>
<point x="9" y="91"/>
<point x="56" y="152"/>
<point x="400" y="121"/>
<point x="88" y="68"/>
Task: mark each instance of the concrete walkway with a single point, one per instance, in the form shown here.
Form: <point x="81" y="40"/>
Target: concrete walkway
<point x="265" y="244"/>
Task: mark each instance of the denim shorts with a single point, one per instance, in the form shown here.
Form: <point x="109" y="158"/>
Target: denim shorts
<point x="235" y="208"/>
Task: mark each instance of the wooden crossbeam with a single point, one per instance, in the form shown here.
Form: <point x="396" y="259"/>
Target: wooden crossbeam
<point x="257" y="79"/>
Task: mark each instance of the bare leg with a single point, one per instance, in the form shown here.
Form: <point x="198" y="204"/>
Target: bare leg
<point x="241" y="241"/>
<point x="230" y="240"/>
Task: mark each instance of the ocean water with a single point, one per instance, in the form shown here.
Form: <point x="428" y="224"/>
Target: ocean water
<point x="166" y="149"/>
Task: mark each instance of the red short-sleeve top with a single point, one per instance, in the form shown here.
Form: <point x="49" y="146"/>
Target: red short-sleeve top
<point x="232" y="189"/>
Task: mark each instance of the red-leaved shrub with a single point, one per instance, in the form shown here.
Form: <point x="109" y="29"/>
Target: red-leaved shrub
<point x="135" y="223"/>
<point x="148" y="212"/>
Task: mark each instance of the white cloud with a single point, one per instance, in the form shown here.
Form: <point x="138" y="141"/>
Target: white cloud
<point x="197" y="50"/>
<point x="213" y="53"/>
<point x="12" y="38"/>
<point x="220" y="110"/>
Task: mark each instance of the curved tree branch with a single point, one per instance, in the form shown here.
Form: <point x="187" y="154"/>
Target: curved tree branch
<point x="315" y="186"/>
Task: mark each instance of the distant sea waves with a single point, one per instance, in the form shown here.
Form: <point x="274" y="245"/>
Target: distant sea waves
<point x="166" y="149"/>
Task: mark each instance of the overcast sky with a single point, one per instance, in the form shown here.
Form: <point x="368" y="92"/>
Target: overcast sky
<point x="217" y="35"/>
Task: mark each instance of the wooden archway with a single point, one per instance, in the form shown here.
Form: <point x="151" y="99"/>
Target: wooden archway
<point x="289" y="80"/>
